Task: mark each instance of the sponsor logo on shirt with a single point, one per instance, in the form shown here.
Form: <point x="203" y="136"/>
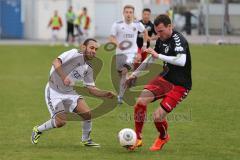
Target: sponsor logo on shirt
<point x="128" y="35"/>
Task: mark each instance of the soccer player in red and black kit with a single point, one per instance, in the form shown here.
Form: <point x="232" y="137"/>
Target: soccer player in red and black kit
<point x="172" y="87"/>
<point x="146" y="14"/>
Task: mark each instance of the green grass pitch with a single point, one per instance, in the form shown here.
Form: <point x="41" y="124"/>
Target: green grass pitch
<point x="204" y="126"/>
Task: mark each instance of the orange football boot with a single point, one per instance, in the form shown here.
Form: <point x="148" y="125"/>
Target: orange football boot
<point x="159" y="143"/>
<point x="138" y="144"/>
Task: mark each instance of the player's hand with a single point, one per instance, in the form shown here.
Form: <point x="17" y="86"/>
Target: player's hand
<point x="154" y="37"/>
<point x="67" y="81"/>
<point x="129" y="81"/>
<point x="152" y="52"/>
<point x="144" y="47"/>
<point x="121" y="47"/>
<point x="110" y="95"/>
<point x="149" y="39"/>
<point x="138" y="58"/>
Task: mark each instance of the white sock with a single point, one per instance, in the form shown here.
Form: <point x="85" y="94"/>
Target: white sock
<point x="86" y="129"/>
<point x="121" y="86"/>
<point x="47" y="125"/>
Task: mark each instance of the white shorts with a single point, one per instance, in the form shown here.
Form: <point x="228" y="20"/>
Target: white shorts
<point x="124" y="60"/>
<point x="59" y="102"/>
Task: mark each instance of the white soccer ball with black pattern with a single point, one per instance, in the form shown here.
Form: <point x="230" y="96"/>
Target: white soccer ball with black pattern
<point x="127" y="137"/>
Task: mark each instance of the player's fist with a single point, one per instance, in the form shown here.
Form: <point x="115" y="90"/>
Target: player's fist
<point x="152" y="52"/>
<point x="144" y="47"/>
<point x="138" y="58"/>
<point x="67" y="81"/>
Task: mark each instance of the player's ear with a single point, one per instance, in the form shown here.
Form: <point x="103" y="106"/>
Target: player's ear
<point x="83" y="47"/>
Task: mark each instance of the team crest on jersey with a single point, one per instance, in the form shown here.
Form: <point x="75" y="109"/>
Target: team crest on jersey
<point x="134" y="29"/>
<point x="166" y="49"/>
<point x="122" y="28"/>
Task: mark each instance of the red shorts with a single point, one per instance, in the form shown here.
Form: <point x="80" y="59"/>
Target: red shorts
<point x="171" y="94"/>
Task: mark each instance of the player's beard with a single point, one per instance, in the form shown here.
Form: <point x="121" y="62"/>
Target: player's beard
<point x="89" y="55"/>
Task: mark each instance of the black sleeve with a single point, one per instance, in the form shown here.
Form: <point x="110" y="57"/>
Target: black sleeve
<point x="180" y="44"/>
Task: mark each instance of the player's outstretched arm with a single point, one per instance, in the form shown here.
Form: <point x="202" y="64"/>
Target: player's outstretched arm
<point x="100" y="93"/>
<point x="179" y="59"/>
<point x="145" y="39"/>
<point x="113" y="39"/>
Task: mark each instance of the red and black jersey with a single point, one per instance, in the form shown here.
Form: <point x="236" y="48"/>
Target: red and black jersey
<point x="150" y="28"/>
<point x="173" y="46"/>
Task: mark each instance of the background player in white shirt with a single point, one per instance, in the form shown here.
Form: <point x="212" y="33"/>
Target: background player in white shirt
<point x="71" y="67"/>
<point x="124" y="35"/>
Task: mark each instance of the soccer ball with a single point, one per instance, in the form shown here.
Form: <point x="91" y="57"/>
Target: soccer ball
<point x="127" y="137"/>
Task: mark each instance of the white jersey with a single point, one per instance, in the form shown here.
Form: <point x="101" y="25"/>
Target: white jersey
<point x="123" y="31"/>
<point x="77" y="70"/>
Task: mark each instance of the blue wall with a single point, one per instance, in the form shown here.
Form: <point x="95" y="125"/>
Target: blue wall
<point x="10" y="19"/>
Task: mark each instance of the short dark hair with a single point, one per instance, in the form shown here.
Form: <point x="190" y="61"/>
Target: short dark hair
<point x="162" y="18"/>
<point x="85" y="43"/>
<point x="84" y="9"/>
<point x="146" y="10"/>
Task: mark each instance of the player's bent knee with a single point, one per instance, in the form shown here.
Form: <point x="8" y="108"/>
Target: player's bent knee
<point x="86" y="115"/>
<point x="157" y="117"/>
<point x="60" y="123"/>
<point x="145" y="98"/>
<point x="124" y="71"/>
<point x="142" y="101"/>
<point x="60" y="120"/>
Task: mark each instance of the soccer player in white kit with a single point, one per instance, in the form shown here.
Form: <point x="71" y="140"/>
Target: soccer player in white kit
<point x="124" y="35"/>
<point x="67" y="69"/>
